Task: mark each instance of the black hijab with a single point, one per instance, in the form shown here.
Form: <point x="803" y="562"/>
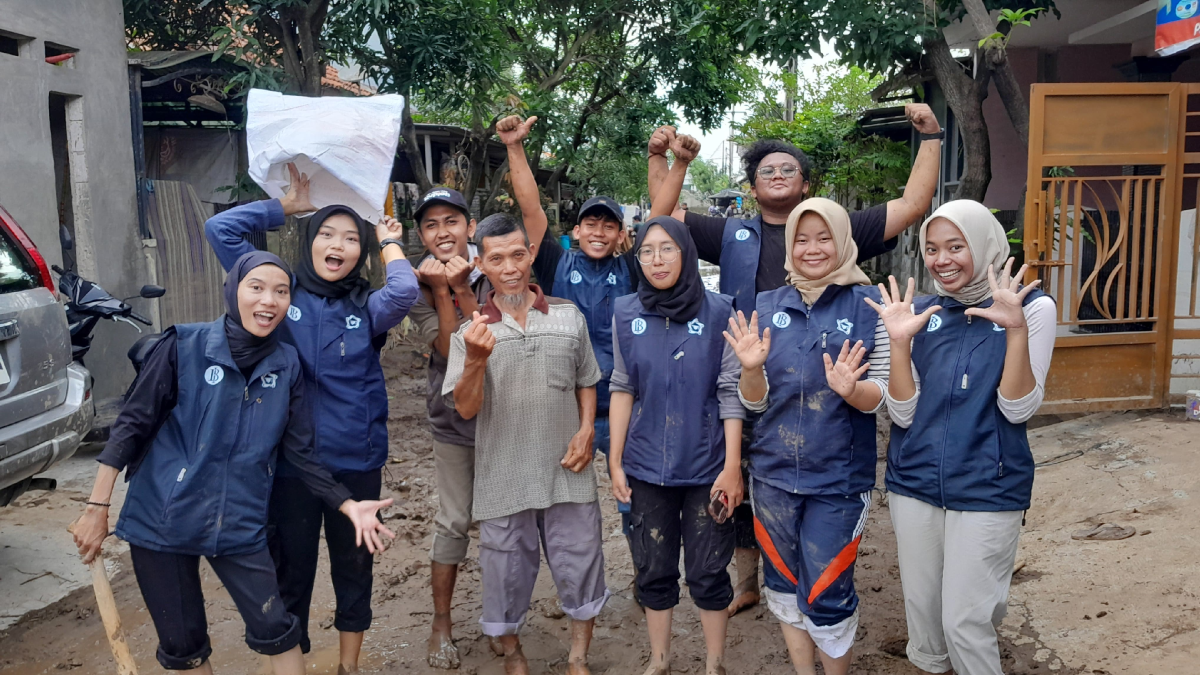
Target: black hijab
<point x="246" y="347"/>
<point x="682" y="301"/>
<point x="353" y="284"/>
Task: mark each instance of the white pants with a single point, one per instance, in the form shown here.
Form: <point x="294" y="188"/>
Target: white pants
<point x="955" y="567"/>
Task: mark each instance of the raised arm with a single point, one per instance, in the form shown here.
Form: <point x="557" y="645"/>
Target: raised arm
<point x="512" y="132"/>
<point x="389" y="305"/>
<point x="226" y="232"/>
<point x="660" y="142"/>
<point x="922" y="180"/>
<point x="685" y="149"/>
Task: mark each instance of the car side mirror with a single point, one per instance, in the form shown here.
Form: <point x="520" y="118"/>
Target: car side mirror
<point x="152" y="291"/>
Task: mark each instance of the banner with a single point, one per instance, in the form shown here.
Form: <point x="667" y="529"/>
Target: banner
<point x="1178" y="26"/>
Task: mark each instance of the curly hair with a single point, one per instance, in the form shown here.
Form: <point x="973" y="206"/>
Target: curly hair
<point x="754" y="155"/>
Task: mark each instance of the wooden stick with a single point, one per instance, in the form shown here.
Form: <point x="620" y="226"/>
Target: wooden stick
<point x="109" y="615"/>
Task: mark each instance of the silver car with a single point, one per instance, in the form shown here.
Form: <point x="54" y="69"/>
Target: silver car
<point x="46" y="404"/>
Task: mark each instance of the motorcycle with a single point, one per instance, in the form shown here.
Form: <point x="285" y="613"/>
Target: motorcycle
<point x="88" y="303"/>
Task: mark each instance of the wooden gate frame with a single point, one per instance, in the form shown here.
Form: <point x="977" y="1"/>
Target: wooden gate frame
<point x="1060" y="391"/>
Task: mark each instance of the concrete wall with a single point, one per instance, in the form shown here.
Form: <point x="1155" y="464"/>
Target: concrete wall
<point x="108" y="247"/>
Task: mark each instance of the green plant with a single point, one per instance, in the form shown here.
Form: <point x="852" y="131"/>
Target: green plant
<point x="1014" y="17"/>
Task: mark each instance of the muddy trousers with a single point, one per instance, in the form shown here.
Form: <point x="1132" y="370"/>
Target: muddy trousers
<point x="509" y="557"/>
<point x="955" y="567"/>
<point x="455" y="468"/>
<point x="170" y="585"/>
<point x="663" y="519"/>
<point x="294" y="535"/>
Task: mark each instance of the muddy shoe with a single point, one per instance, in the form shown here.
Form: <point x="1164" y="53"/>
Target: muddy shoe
<point x="442" y="653"/>
<point x="1104" y="532"/>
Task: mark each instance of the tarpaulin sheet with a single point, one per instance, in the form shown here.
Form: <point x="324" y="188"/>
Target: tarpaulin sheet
<point x="1178" y="26"/>
<point x="345" y="145"/>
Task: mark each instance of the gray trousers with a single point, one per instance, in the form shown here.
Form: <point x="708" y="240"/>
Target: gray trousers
<point x="955" y="567"/>
<point x="508" y="554"/>
<point x="455" y="468"/>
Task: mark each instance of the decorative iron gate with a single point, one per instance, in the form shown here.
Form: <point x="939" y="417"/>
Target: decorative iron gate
<point x="1101" y="226"/>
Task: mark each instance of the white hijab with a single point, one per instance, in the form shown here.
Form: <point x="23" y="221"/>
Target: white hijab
<point x="985" y="238"/>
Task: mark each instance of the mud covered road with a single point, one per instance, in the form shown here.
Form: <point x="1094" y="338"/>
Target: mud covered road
<point x="67" y="635"/>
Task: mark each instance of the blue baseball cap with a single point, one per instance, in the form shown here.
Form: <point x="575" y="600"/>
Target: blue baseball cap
<point x="607" y="205"/>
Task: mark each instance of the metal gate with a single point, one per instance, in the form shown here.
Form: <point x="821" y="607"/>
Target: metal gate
<point x="1101" y="231"/>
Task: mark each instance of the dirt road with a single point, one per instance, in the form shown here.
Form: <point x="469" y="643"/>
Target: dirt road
<point x="1046" y="631"/>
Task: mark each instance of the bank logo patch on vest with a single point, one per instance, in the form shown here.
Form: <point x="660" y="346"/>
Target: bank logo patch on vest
<point x="781" y="320"/>
<point x="638" y="326"/>
<point x="612" y="279"/>
<point x="294" y="313"/>
<point x="214" y="375"/>
<point x="845" y="325"/>
<point x="742" y="234"/>
<point x="269" y="380"/>
<point x="576" y="277"/>
<point x="695" y="327"/>
<point x="935" y="322"/>
<point x="353" y="322"/>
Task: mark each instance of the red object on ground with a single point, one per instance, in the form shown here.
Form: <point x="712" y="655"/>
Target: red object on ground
<point x="54" y="60"/>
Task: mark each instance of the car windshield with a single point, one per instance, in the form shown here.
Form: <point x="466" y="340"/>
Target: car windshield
<point x="16" y="274"/>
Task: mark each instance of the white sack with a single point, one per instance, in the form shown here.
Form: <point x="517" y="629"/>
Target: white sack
<point x="345" y="145"/>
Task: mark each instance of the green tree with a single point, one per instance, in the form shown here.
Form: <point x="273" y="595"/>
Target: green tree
<point x="707" y="178"/>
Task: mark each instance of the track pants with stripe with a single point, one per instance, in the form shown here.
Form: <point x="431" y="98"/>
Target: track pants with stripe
<point x="809" y="544"/>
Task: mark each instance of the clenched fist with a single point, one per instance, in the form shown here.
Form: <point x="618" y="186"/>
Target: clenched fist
<point x="922" y="118"/>
<point x="432" y="273"/>
<point x="685" y="148"/>
<point x="512" y="130"/>
<point x="660" y="140"/>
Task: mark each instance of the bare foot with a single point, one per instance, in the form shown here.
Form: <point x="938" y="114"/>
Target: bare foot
<point x="658" y="670"/>
<point x="497" y="648"/>
<point x="745" y="596"/>
<point x="578" y="668"/>
<point x="442" y="652"/>
<point x="515" y="663"/>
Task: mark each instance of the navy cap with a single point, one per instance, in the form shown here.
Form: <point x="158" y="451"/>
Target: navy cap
<point x="608" y="205"/>
<point x="442" y="195"/>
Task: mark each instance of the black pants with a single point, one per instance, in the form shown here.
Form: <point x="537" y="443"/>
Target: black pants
<point x="743" y="515"/>
<point x="662" y="518"/>
<point x="295" y="537"/>
<point x="170" y="585"/>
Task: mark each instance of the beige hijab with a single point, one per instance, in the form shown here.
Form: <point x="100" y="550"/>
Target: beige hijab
<point x="846" y="273"/>
<point x="986" y="239"/>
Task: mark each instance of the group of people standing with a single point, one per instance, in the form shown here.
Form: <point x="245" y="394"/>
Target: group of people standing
<point x="735" y="424"/>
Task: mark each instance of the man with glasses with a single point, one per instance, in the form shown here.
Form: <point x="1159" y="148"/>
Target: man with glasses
<point x="751" y="251"/>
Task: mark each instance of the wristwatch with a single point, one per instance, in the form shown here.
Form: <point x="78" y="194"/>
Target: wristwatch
<point x="389" y="240"/>
<point x="940" y="135"/>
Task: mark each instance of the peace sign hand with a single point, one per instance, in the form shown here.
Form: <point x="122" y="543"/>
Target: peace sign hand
<point x="750" y="350"/>
<point x="1008" y="298"/>
<point x="844" y="375"/>
<point x="897" y="311"/>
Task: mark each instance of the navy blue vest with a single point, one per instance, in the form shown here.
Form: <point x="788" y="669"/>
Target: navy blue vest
<point x="809" y="440"/>
<point x="345" y="381"/>
<point x="961" y="453"/>
<point x="676" y="436"/>
<point x="740" y="246"/>
<point x="205" y="482"/>
<point x="594" y="286"/>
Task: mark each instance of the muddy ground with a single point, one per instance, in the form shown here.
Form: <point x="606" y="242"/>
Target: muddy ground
<point x="1039" y="636"/>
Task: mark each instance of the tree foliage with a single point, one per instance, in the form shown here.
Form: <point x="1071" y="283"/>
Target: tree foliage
<point x="847" y="164"/>
<point x="707" y="178"/>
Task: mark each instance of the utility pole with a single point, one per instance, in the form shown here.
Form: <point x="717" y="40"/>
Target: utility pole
<point x="789" y="97"/>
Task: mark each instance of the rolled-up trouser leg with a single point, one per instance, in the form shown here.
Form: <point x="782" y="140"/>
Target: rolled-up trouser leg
<point x="572" y="537"/>
<point x="981" y="547"/>
<point x="509" y="560"/>
<point x="920" y="545"/>
<point x="250" y="581"/>
<point x="455" y="468"/>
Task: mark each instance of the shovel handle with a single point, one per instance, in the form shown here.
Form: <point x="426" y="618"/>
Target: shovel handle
<point x="111" y="618"/>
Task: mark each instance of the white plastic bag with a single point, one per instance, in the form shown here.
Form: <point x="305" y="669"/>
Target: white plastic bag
<point x="345" y="145"/>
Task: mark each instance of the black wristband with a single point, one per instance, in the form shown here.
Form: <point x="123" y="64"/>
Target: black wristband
<point x="389" y="240"/>
<point x="940" y="135"/>
<point x="99" y="504"/>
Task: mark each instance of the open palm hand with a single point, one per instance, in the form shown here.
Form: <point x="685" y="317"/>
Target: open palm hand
<point x="897" y="311"/>
<point x="1008" y="298"/>
<point x="750" y="350"/>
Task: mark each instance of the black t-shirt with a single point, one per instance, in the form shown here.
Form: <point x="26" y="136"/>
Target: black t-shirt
<point x="866" y="226"/>
<point x="545" y="265"/>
